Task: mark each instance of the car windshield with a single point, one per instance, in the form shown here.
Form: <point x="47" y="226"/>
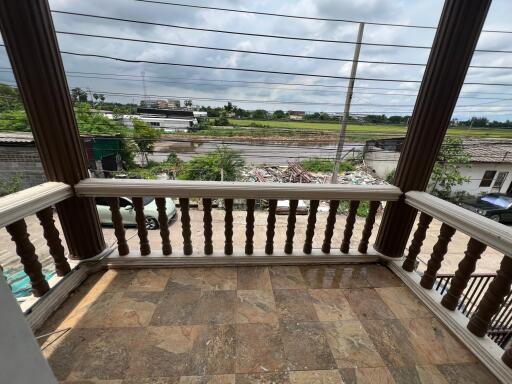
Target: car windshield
<point x="500" y="201"/>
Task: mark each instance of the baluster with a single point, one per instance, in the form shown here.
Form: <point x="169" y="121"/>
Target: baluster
<point x="493" y="299"/>
<point x="249" y="227"/>
<point x="434" y="263"/>
<point x="368" y="226"/>
<point x="51" y="234"/>
<point x="465" y="269"/>
<point x="228" y="226"/>
<point x="163" y="223"/>
<point x="119" y="232"/>
<point x="310" y="231"/>
<point x="142" y="231"/>
<point x="207" y="225"/>
<point x="329" y="227"/>
<point x="417" y="242"/>
<point x="271" y="224"/>
<point x="185" y="226"/>
<point x="507" y="357"/>
<point x="290" y="228"/>
<point x="27" y="253"/>
<point x="349" y="226"/>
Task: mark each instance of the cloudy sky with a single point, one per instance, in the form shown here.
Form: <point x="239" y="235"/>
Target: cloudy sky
<point x="114" y="78"/>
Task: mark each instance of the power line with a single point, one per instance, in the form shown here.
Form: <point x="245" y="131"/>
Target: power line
<point x="257" y="34"/>
<point x="260" y="52"/>
<point x="302" y="17"/>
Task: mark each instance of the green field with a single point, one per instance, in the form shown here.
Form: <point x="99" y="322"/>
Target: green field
<point x="288" y="128"/>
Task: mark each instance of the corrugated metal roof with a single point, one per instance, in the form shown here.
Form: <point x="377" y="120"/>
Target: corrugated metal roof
<point x="489" y="151"/>
<point x="16" y="137"/>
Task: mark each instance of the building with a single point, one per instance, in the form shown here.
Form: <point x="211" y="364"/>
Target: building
<point x="19" y="159"/>
<point x="169" y="120"/>
<point x="296" y="115"/>
<point x="489" y="170"/>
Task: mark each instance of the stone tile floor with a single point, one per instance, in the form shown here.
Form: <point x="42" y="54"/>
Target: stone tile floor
<point x="282" y="324"/>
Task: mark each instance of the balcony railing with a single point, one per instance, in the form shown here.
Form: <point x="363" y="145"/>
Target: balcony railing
<point x="482" y="232"/>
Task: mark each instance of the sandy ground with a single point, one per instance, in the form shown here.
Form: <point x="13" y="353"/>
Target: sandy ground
<point x="489" y="262"/>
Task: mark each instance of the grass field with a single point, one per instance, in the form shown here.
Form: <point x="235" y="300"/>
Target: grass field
<point x="356" y="130"/>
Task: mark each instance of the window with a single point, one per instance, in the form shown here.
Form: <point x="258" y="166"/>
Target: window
<point x="102" y="201"/>
<point x="154" y="123"/>
<point x="500" y="179"/>
<point x="487" y="179"/>
<point x="124" y="202"/>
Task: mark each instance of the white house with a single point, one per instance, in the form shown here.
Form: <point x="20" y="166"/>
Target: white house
<point x="490" y="168"/>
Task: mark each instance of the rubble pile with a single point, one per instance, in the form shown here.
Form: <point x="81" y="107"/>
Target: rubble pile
<point x="295" y="173"/>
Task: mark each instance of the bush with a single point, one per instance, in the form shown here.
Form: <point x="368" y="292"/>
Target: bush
<point x="390" y="177"/>
<point x="211" y="166"/>
<point x="362" y="210"/>
<point x="324" y="165"/>
<point x="221" y="120"/>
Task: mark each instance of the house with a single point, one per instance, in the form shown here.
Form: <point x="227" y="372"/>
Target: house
<point x="489" y="170"/>
<point x="169" y="120"/>
<point x="296" y="115"/>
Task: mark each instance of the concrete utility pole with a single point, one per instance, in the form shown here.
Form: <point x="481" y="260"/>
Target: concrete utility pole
<point x="348" y="100"/>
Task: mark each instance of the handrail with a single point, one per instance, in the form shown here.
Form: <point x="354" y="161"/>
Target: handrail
<point x="234" y="190"/>
<point x="489" y="232"/>
<point x="19" y="205"/>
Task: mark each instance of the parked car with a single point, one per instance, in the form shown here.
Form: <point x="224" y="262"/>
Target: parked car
<point x="495" y="206"/>
<point x="128" y="213"/>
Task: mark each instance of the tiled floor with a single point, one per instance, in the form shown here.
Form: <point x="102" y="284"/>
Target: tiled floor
<point x="292" y="325"/>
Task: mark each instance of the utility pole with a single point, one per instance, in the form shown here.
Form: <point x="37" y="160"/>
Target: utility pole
<point x="348" y="100"/>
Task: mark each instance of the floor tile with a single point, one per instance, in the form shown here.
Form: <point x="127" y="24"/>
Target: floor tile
<point x="467" y="374"/>
<point x="98" y="382"/>
<point x="259" y="348"/>
<point x="392" y="342"/>
<point x="434" y="344"/>
<point x="106" y="354"/>
<point x="351" y="346"/>
<point x="331" y="305"/>
<point x="132" y="309"/>
<point x="306" y="346"/>
<point x="263" y="378"/>
<point x="253" y="278"/>
<point x="294" y="304"/>
<point x="165" y="351"/>
<point x="381" y="277"/>
<point x="317" y="377"/>
<point x="195" y="307"/>
<point x="153" y="380"/>
<point x="255" y="306"/>
<point x="114" y="280"/>
<point x="217" y="379"/>
<point x="367" y="304"/>
<point x="379" y="375"/>
<point x="150" y="280"/>
<point x="427" y="374"/>
<point x="286" y="277"/>
<point x="206" y="279"/>
<point x="348" y="375"/>
<point x="213" y="351"/>
<point x="403" y="303"/>
<point x="334" y="276"/>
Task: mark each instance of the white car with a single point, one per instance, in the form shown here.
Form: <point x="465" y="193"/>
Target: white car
<point x="128" y="212"/>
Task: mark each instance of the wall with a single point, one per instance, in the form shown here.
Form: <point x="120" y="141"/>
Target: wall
<point x="476" y="172"/>
<point x="21" y="160"/>
<point x="381" y="161"/>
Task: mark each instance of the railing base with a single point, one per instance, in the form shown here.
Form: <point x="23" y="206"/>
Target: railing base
<point x="486" y="350"/>
<point x="158" y="260"/>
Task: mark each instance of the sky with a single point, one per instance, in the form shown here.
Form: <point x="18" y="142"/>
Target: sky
<point x="123" y="81"/>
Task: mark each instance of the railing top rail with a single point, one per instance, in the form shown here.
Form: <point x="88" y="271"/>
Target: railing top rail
<point x="21" y="204"/>
<point x="483" y="275"/>
<point x="489" y="232"/>
<point x="235" y="190"/>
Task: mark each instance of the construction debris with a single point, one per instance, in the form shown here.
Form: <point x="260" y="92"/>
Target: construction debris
<point x="295" y="173"/>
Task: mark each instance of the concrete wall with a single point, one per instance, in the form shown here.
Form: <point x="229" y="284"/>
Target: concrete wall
<point x="476" y="172"/>
<point x="23" y="161"/>
<point x="381" y="161"/>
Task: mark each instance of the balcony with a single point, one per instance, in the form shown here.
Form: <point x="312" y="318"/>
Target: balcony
<point x="240" y="295"/>
<point x="231" y="298"/>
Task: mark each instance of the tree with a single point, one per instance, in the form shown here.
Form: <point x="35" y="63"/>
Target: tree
<point x="145" y="137"/>
<point x="78" y="95"/>
<point x="9" y="99"/>
<point x="228" y="107"/>
<point x="16" y="121"/>
<point x="224" y="163"/>
<point x="446" y="173"/>
<point x="260" y="114"/>
<point x="222" y="120"/>
<point x="10" y="185"/>
<point x="188" y="103"/>
<point x="279" y="114"/>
